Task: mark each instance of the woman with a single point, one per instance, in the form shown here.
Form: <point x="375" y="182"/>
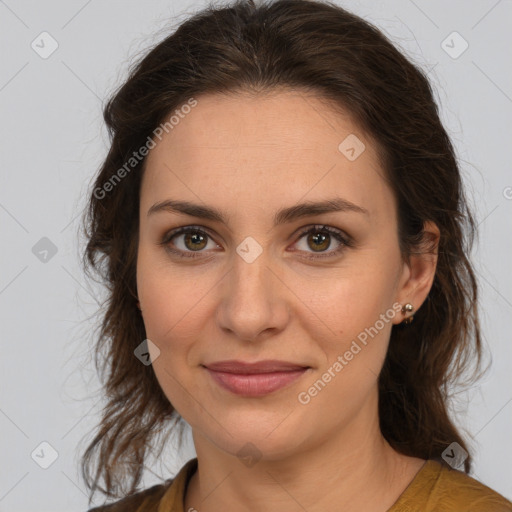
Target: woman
<point x="281" y="224"/>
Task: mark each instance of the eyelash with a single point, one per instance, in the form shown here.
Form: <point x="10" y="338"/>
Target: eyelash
<point x="344" y="240"/>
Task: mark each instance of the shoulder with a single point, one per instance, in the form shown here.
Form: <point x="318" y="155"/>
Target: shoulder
<point x="146" y="500"/>
<point x="454" y="490"/>
<point x="167" y="495"/>
<point x="437" y="487"/>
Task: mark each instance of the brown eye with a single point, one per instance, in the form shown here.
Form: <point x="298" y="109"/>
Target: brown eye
<point x="319" y="241"/>
<point x="186" y="241"/>
<point x="195" y="241"/>
<point x="320" y="238"/>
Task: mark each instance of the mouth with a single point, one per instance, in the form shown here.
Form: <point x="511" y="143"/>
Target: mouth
<point x="255" y="379"/>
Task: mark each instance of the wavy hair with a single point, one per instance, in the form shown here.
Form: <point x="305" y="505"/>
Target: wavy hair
<point x="318" y="47"/>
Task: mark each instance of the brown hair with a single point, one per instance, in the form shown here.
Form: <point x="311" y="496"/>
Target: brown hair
<point x="321" y="48"/>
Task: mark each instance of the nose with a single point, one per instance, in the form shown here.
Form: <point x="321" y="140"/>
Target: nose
<point x="254" y="300"/>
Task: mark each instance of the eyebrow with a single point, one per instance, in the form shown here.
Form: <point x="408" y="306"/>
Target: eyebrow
<point x="282" y="216"/>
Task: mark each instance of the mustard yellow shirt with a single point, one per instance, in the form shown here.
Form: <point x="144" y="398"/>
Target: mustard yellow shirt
<point x="435" y="488"/>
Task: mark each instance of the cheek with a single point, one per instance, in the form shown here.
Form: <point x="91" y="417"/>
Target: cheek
<point x="173" y="311"/>
<point x="173" y="316"/>
<point x="171" y="295"/>
<point x="348" y="301"/>
<point x="353" y="358"/>
<point x="356" y="313"/>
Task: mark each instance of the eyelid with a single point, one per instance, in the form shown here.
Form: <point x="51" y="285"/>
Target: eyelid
<point x="341" y="236"/>
<point x="182" y="230"/>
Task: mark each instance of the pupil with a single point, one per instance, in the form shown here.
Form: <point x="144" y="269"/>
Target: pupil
<point x="318" y="237"/>
<point x="195" y="238"/>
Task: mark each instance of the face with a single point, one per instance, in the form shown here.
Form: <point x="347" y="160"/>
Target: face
<point x="268" y="279"/>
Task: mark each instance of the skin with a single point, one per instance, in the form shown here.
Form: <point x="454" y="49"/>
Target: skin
<point x="250" y="156"/>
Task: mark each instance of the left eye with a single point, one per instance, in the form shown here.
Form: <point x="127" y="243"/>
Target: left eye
<point x="320" y="239"/>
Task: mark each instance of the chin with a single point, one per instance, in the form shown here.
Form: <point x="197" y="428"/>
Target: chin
<point x="255" y="441"/>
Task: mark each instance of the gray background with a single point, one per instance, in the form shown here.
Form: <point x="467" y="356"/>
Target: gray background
<point x="52" y="143"/>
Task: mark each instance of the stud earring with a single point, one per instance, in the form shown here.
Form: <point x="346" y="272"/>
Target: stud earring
<point x="408" y="308"/>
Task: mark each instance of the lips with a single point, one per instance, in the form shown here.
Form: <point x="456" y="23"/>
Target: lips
<point x="241" y="367"/>
<point x="254" y="379"/>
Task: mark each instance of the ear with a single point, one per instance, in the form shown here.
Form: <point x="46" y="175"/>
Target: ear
<point x="418" y="272"/>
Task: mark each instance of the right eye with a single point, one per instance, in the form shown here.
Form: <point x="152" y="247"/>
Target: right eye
<point x="190" y="240"/>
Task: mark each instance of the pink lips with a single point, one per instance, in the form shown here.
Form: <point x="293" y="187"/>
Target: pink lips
<point x="254" y="379"/>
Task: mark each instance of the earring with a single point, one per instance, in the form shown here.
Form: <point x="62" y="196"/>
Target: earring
<point x="408" y="308"/>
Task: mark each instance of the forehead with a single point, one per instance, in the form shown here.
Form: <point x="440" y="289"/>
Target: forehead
<point x="278" y="147"/>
